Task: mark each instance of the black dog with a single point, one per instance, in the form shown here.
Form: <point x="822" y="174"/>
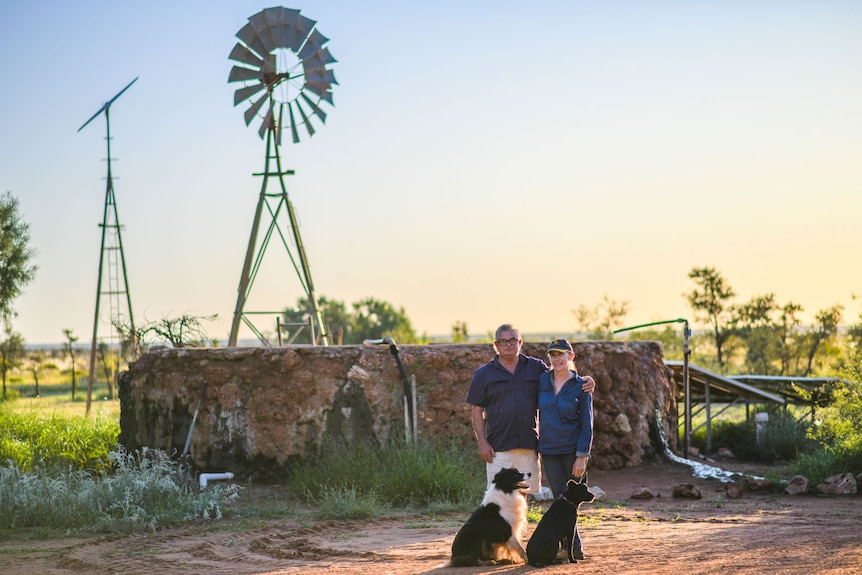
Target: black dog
<point x="491" y="534"/>
<point x="557" y="526"/>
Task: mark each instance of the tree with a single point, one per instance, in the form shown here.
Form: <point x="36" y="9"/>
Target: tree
<point x="36" y="358"/>
<point x="70" y="349"/>
<point x="459" y="332"/>
<point x="753" y="322"/>
<point x="599" y="322"/>
<point x="11" y="354"/>
<point x="854" y="332"/>
<point x="789" y="338"/>
<point x="109" y="365"/>
<point x="710" y="302"/>
<point x="15" y="255"/>
<point x="184" y="331"/>
<point x="370" y="319"/>
<point x="335" y="316"/>
<point x="670" y="337"/>
<point x="373" y="319"/>
<point x="827" y="327"/>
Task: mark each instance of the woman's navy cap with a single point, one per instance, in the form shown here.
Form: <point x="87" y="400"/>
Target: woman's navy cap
<point x="560" y="345"/>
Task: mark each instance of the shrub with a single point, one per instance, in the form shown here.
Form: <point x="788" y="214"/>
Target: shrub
<point x="398" y="473"/>
<point x="837" y="430"/>
<point x="145" y="490"/>
<point x="347" y="503"/>
<point x="782" y="438"/>
<point x="816" y="466"/>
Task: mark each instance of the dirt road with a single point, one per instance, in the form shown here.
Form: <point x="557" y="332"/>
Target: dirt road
<point x="756" y="534"/>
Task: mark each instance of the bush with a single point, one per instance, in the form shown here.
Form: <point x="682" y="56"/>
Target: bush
<point x="783" y="438"/>
<point x="145" y="490"/>
<point x="399" y="474"/>
<point x="739" y="437"/>
<point x="837" y="430"/>
<point x="816" y="466"/>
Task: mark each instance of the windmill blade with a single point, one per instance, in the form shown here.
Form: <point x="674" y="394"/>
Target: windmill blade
<point x="120" y="93"/>
<point x="320" y="113"/>
<point x="314" y="42"/>
<point x="242" y="54"/>
<point x="282" y="22"/>
<point x="253" y="110"/>
<point x="323" y="90"/>
<point x="305" y="121"/>
<point x="250" y="38"/>
<point x="320" y="76"/>
<point x="245" y="93"/>
<point x="319" y="58"/>
<point x="279" y="127"/>
<point x="269" y="65"/>
<point x="240" y="74"/>
<point x="263" y="22"/>
<point x="108" y="103"/>
<point x="303" y="27"/>
<point x="284" y="16"/>
<point x="94" y="116"/>
<point x="293" y="125"/>
<point x="288" y="31"/>
<point x="267" y="122"/>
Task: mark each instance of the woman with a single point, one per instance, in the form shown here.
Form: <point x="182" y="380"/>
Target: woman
<point x="565" y="422"/>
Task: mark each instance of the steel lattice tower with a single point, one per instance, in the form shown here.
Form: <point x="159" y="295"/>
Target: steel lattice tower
<point x="113" y="280"/>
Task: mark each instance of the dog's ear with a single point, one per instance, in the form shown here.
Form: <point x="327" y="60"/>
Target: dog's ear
<point x="581" y="481"/>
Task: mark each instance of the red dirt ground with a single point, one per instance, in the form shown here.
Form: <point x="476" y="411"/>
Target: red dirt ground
<point x="758" y="533"/>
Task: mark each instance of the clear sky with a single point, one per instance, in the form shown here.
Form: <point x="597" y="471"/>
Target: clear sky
<point x="485" y="161"/>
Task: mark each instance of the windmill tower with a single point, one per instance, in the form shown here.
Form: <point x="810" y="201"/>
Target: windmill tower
<point x="282" y="63"/>
<point x="114" y="285"/>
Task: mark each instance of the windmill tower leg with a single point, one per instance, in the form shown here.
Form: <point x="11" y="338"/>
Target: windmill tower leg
<point x="316" y="313"/>
<point x="246" y="279"/>
<point x="254" y="254"/>
<point x="110" y="221"/>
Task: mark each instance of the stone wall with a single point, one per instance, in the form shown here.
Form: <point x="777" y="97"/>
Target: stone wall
<point x="263" y="407"/>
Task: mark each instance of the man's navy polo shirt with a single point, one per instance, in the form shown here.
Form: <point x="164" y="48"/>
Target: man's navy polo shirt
<point x="510" y="401"/>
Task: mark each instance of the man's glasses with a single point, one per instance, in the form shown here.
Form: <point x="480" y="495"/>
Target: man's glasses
<point x="511" y="341"/>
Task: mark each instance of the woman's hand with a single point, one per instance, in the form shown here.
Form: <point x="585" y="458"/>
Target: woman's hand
<point x="579" y="468"/>
<point x="589" y="384"/>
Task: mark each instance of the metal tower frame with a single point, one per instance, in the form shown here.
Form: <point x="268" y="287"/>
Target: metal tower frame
<point x="280" y="58"/>
<point x="110" y="221"/>
<point x="274" y="203"/>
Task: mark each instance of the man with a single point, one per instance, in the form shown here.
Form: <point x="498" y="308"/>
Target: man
<point x="504" y="395"/>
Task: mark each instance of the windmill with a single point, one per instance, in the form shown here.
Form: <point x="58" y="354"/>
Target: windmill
<point x="115" y="286"/>
<point x="282" y="63"/>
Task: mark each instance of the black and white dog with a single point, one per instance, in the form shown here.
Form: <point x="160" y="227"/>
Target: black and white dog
<point x="491" y="536"/>
<point x="557" y="526"/>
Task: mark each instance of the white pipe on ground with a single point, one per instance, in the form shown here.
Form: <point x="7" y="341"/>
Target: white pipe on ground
<point x="213" y="477"/>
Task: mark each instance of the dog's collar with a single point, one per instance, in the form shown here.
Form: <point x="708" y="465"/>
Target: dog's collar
<point x="569" y="501"/>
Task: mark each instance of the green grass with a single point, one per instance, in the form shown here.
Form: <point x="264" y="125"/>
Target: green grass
<point x="34" y="439"/>
<point x="434" y="477"/>
<point x="62" y="473"/>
